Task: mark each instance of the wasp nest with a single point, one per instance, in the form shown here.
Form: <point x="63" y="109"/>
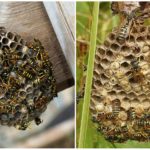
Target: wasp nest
<point x="27" y="83"/>
<point x="120" y="98"/>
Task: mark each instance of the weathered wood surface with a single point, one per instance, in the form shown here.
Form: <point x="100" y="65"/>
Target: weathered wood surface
<point x="62" y="16"/>
<point x="30" y="20"/>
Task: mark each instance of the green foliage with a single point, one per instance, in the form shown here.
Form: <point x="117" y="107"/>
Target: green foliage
<point x="83" y="140"/>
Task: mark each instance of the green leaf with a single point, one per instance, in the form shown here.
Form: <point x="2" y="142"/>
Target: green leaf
<point x="86" y="103"/>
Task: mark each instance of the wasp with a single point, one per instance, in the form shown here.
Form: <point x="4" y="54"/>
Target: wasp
<point x="116" y="107"/>
<point x="124" y="30"/>
<point x="45" y="59"/>
<point x="54" y="91"/>
<point x="22" y="126"/>
<point x="39" y="103"/>
<point x="140" y="136"/>
<point x="128" y="22"/>
<point x="31" y="61"/>
<point x="123" y="129"/>
<point x="136" y="75"/>
<point x="14" y="82"/>
<point x="103" y="129"/>
<point x="38" y="121"/>
<point x="146" y="116"/>
<point x="132" y="114"/>
<point x="25" y="74"/>
<point x="94" y="119"/>
<point x="110" y="138"/>
<point x="15" y="57"/>
<point x="110" y="116"/>
<point x="39" y="80"/>
<point x="143" y="123"/>
<point x="118" y="130"/>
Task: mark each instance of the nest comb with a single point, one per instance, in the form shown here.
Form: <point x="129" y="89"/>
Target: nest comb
<point x="120" y="98"/>
<point x="27" y="83"/>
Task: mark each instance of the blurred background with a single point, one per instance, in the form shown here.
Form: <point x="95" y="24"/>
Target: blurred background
<point x="54" y="24"/>
<point x="106" y="23"/>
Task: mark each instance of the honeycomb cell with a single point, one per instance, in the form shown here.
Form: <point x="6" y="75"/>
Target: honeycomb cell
<point x="107" y="43"/>
<point x="115" y="47"/>
<point x="125" y="50"/>
<point x="13" y="45"/>
<point x="112" y="36"/>
<point x="105" y="63"/>
<point x="10" y="35"/>
<point x="122" y="86"/>
<point x="101" y="51"/>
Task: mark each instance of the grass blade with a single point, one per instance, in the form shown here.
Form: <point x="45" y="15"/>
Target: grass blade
<point x="87" y="96"/>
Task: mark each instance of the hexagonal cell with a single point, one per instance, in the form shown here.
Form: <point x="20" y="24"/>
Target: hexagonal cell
<point x="112" y="94"/>
<point x="96" y="74"/>
<point x="10" y="35"/>
<point x="97" y="84"/>
<point x="104" y="78"/>
<point x="115" y="47"/>
<point x="105" y="63"/>
<point x="131" y="95"/>
<point x="110" y="55"/>
<point x="137" y="50"/>
<point x="5" y="41"/>
<point x="17" y="38"/>
<point x="134" y="30"/>
<point x="141" y="97"/>
<point x="112" y="36"/>
<point x="101" y="51"/>
<point x="19" y="47"/>
<point x="96" y="96"/>
<point x="129" y="57"/>
<point x="97" y="58"/>
<point x="13" y="45"/>
<point x="131" y="38"/>
<point x="125" y="65"/>
<point x="2" y="31"/>
<point x="143" y="29"/>
<point x="125" y="50"/>
<point x="148" y="37"/>
<point x="122" y="94"/>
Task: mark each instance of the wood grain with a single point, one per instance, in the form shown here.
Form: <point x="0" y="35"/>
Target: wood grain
<point x="62" y="16"/>
<point x="30" y="20"/>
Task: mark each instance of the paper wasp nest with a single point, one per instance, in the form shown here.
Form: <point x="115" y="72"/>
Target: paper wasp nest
<point x="27" y="83"/>
<point x="120" y="101"/>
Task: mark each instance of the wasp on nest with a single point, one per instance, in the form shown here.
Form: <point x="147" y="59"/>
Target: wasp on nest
<point x="120" y="98"/>
<point x="27" y="81"/>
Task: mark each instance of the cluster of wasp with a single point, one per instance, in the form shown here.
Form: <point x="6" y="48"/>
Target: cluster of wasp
<point x="27" y="83"/>
<point x="120" y="126"/>
<point x="120" y="98"/>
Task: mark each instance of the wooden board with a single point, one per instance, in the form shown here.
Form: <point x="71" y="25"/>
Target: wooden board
<point x="62" y="16"/>
<point x="30" y="20"/>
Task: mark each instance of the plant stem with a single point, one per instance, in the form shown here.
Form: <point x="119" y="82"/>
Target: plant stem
<point x="87" y="30"/>
<point x="88" y="85"/>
